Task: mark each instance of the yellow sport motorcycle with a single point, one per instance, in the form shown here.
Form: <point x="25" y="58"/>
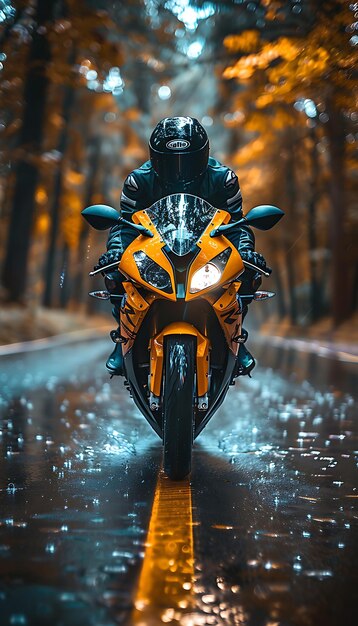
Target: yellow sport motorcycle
<point x="181" y="313"/>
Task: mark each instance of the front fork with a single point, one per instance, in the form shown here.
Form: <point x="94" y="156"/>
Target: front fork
<point x="156" y="347"/>
<point x="228" y="310"/>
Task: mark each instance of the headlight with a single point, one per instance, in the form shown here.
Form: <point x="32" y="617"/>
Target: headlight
<point x="211" y="273"/>
<point x="205" y="277"/>
<point x="152" y="273"/>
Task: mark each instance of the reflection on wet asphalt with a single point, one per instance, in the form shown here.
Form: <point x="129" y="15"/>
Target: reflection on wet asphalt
<point x="273" y="489"/>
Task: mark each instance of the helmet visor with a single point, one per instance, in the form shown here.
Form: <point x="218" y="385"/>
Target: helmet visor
<point x="180" y="166"/>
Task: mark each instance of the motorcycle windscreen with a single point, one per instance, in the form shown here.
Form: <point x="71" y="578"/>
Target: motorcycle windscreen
<point x="181" y="219"/>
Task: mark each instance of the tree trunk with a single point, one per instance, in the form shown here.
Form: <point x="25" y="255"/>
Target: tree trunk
<point x="94" y="157"/>
<point x="315" y="290"/>
<point x="65" y="277"/>
<point x="291" y="226"/>
<point x="26" y="171"/>
<point x="68" y="101"/>
<point x="340" y="293"/>
<point x="291" y="286"/>
<point x="280" y="300"/>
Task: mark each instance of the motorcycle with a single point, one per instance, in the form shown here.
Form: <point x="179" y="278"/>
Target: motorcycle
<point x="181" y="313"/>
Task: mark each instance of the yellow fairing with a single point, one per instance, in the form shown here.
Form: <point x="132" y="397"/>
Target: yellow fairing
<point x="132" y="314"/>
<point x="211" y="247"/>
<point x="152" y="246"/>
<point x="229" y="315"/>
<point x="157" y="357"/>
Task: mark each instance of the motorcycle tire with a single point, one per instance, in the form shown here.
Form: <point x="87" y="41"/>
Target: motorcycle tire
<point x="178" y="405"/>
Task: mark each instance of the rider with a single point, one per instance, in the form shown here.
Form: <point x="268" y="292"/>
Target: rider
<point x="180" y="163"/>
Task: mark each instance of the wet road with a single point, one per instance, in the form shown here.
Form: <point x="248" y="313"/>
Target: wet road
<point x="264" y="534"/>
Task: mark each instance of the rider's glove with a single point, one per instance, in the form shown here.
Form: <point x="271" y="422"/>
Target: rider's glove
<point x="256" y="260"/>
<point x="112" y="256"/>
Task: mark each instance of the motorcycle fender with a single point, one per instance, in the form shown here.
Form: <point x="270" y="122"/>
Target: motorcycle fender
<point x="229" y="314"/>
<point x="133" y="311"/>
<point x="157" y="357"/>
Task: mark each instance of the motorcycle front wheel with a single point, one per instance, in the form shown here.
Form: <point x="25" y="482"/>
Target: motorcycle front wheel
<point x="178" y="404"/>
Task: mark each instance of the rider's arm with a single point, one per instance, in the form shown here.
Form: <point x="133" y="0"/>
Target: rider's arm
<point x="243" y="238"/>
<point x="231" y="192"/>
<point x="231" y="201"/>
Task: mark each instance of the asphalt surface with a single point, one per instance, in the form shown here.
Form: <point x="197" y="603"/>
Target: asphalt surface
<point x="271" y="504"/>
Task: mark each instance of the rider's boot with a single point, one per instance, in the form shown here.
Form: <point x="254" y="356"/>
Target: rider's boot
<point x="114" y="362"/>
<point x="245" y="362"/>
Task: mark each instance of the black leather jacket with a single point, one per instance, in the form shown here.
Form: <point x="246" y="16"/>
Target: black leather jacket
<point x="219" y="186"/>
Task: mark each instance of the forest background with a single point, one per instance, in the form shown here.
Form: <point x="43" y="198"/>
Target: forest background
<point x="82" y="84"/>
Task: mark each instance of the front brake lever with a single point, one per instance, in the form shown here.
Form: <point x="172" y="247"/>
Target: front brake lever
<point x="104" y="268"/>
<point x="251" y="266"/>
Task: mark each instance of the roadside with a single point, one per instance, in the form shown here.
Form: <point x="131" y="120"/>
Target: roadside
<point x="320" y="337"/>
<point x="40" y="348"/>
<point x="19" y="325"/>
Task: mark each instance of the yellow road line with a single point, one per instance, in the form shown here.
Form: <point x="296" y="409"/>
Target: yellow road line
<point x="165" y="586"/>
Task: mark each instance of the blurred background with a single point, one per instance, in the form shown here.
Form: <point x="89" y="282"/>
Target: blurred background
<point x="83" y="83"/>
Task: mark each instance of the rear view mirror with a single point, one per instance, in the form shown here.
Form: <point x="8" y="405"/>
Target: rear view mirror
<point x="263" y="217"/>
<point x="101" y="216"/>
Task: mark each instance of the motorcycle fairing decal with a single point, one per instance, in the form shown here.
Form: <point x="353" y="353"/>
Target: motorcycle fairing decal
<point x="229" y="313"/>
<point x="153" y="248"/>
<point x="231" y="316"/>
<point x="127" y="310"/>
<point x="210" y="247"/>
<point x="132" y="313"/>
<point x="157" y="357"/>
<point x="130" y="334"/>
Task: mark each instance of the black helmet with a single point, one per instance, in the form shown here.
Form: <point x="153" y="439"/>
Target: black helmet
<point x="179" y="149"/>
